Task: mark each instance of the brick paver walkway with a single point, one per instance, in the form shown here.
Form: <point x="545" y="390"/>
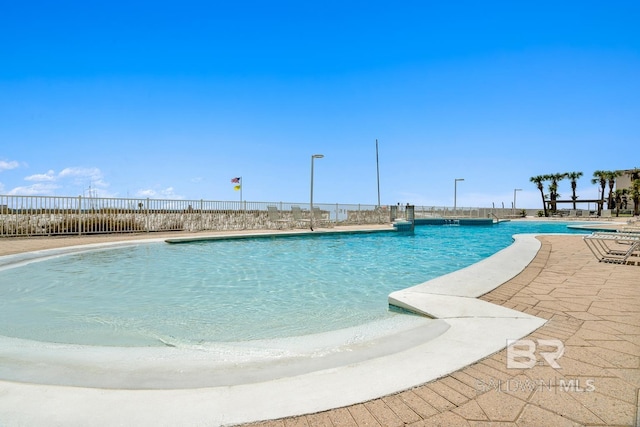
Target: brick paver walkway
<point x="593" y="309"/>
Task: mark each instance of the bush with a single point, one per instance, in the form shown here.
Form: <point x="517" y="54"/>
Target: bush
<point x="93" y="225"/>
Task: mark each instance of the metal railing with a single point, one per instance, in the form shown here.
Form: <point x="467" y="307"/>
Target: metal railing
<point x="55" y="215"/>
<point x="463" y="212"/>
<point x="48" y="216"/>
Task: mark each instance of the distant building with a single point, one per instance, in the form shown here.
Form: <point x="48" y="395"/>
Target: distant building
<point x="624" y="181"/>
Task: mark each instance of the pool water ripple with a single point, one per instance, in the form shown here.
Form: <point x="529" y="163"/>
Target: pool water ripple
<point x="157" y="294"/>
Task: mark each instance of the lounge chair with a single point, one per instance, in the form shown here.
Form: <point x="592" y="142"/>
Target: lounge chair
<point x="613" y="247"/>
<point x="298" y="216"/>
<point x="274" y="217"/>
<point x="319" y="218"/>
<point x="630" y="229"/>
<point x="633" y="225"/>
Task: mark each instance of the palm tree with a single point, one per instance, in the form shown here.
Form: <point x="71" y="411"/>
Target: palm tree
<point x="600" y="177"/>
<point x="574" y="176"/>
<point x="634" y="192"/>
<point x="553" y="195"/>
<point x="553" y="188"/>
<point x="538" y="181"/>
<point x="619" y="194"/>
<point x="634" y="175"/>
<point x="611" y="178"/>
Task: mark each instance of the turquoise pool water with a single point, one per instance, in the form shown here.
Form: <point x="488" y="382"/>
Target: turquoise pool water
<point x="234" y="290"/>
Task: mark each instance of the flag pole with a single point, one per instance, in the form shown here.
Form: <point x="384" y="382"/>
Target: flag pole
<point x="378" y="172"/>
<point x="238" y="180"/>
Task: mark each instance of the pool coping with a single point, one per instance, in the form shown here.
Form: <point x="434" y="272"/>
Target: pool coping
<point x="465" y="342"/>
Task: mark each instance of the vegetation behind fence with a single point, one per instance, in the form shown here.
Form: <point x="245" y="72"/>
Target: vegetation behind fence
<point x="49" y="216"/>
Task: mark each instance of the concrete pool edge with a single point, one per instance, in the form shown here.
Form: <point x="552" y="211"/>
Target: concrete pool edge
<point x="9" y="261"/>
<point x="483" y="276"/>
<point x="461" y="345"/>
<point x="281" y="234"/>
<point x="206" y="366"/>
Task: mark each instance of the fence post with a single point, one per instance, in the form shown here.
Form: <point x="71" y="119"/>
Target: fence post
<point x="410" y="214"/>
<point x="244" y="215"/>
<point x="147" y="215"/>
<point x="79" y="216"/>
<point x="201" y="215"/>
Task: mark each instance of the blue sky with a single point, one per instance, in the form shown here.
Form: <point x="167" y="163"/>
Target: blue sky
<point x="173" y="99"/>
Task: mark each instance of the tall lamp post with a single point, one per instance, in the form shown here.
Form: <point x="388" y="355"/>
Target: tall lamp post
<point x="455" y="194"/>
<point x="313" y="157"/>
<point x="514" y="200"/>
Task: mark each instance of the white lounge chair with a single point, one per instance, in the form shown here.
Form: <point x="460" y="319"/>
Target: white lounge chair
<point x="319" y="218"/>
<point x="298" y="216"/>
<point x="274" y="217"/>
<point x="613" y="247"/>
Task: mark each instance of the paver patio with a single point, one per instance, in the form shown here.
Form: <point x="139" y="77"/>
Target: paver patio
<point x="593" y="309"/>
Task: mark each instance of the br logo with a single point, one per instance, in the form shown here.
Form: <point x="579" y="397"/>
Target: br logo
<point x="521" y="354"/>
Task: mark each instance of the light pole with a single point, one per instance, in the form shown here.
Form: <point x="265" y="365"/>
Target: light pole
<point x="455" y="194"/>
<point x="514" y="200"/>
<point x="313" y="157"/>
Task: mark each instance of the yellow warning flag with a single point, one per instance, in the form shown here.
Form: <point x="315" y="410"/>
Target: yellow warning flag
<point x="236" y="187"/>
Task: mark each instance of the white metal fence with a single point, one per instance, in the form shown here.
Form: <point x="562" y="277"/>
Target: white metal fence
<point x="48" y="216"/>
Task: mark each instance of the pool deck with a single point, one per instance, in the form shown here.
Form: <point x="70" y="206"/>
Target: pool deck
<point x="592" y="308"/>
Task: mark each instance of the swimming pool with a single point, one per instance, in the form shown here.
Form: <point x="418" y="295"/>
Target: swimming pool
<point x="234" y="290"/>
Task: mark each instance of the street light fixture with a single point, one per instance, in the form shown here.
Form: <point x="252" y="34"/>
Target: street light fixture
<point x="514" y="199"/>
<point x="313" y="157"/>
<point x="455" y="194"/>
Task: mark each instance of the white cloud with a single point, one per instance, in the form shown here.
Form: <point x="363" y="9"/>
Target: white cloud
<point x="100" y="183"/>
<point x="69" y="182"/>
<point x="40" y="189"/>
<point x="94" y="175"/>
<point x="49" y="176"/>
<point x="167" y="193"/>
<point x="170" y="194"/>
<point x="91" y="180"/>
<point x="146" y="193"/>
<point x="76" y="171"/>
<point x="4" y="165"/>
